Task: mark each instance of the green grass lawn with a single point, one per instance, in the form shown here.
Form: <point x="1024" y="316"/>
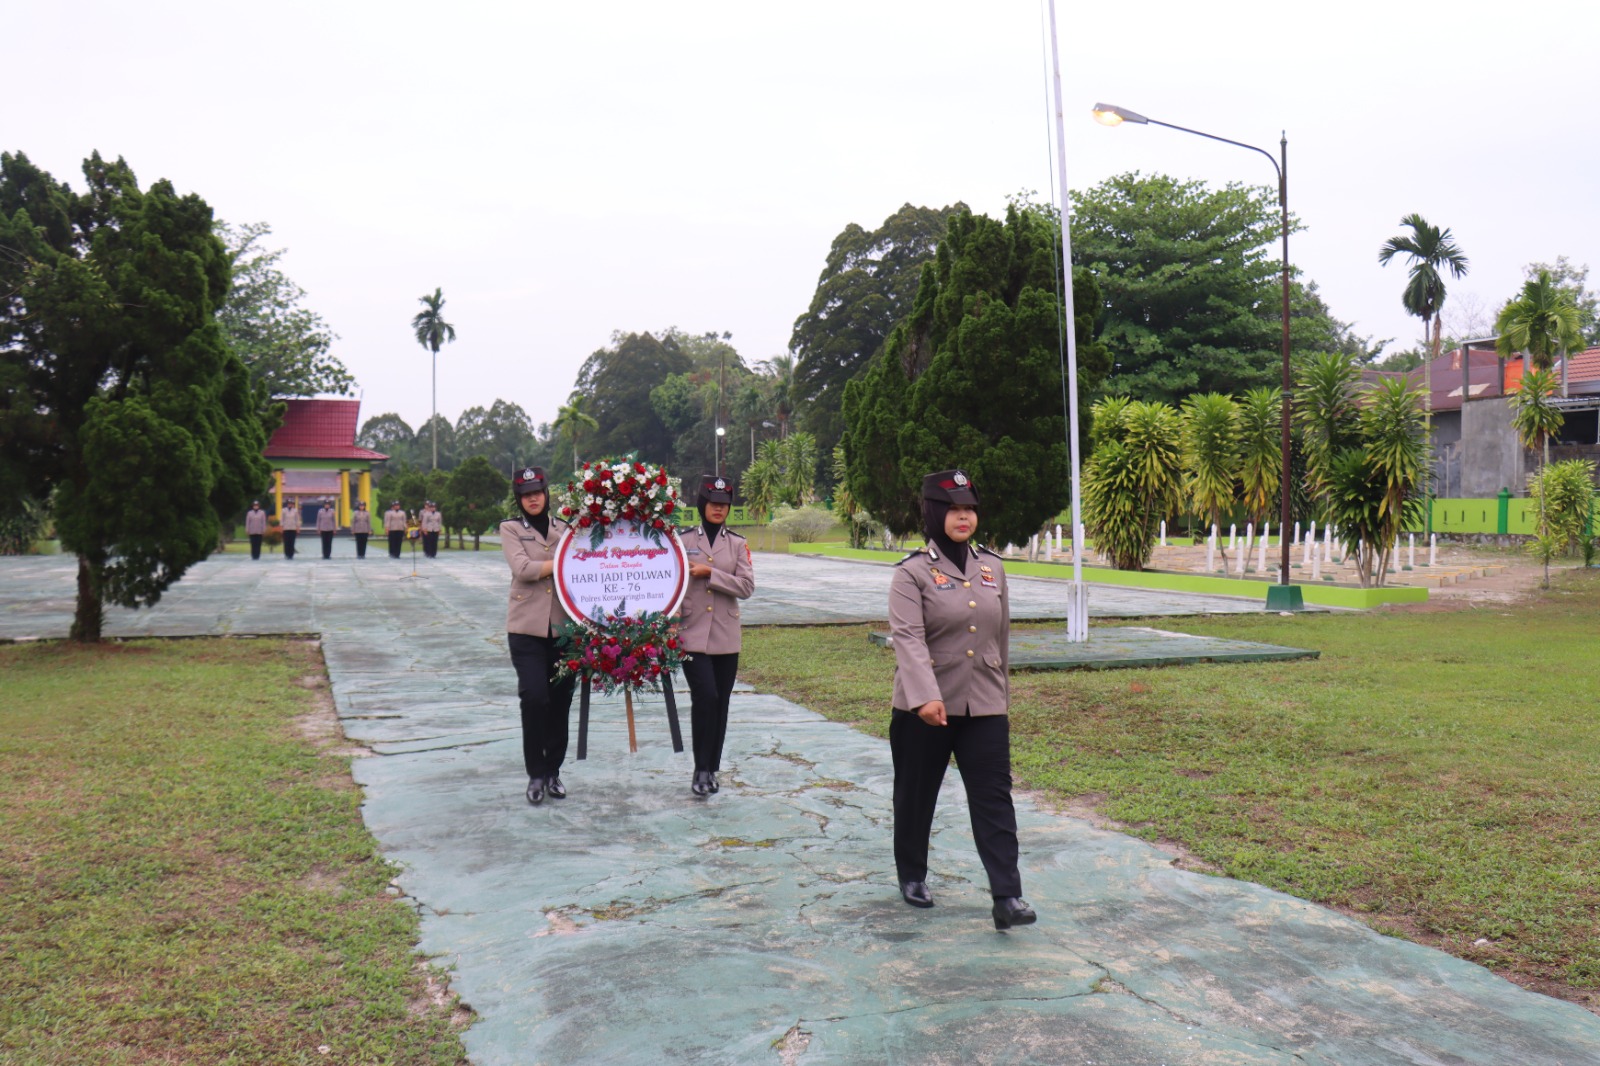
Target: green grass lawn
<point x="184" y="874"/>
<point x="1436" y="774"/>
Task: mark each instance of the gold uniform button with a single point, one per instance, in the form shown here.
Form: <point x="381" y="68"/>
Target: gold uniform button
<point x="708" y="608"/>
<point x="966" y="584"/>
<point x="972" y="603"/>
<point x="969" y="653"/>
<point x="971" y="629"/>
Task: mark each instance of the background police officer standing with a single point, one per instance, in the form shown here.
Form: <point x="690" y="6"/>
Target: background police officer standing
<point x="720" y="575"/>
<point x="951" y="628"/>
<point x="361" y="527"/>
<point x="432" y="521"/>
<point x="255" y="526"/>
<point x="327" y="522"/>
<point x="394" y="524"/>
<point x="534" y="621"/>
<point x="289" y="521"/>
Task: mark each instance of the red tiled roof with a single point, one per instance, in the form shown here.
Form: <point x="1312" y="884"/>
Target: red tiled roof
<point x="319" y="429"/>
<point x="1585" y="366"/>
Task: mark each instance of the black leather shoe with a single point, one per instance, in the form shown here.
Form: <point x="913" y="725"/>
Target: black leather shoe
<point x="700" y="787"/>
<point x="711" y="780"/>
<point x="536" y="790"/>
<point x="557" y="790"/>
<point x="1010" y="911"/>
<point x="916" y="893"/>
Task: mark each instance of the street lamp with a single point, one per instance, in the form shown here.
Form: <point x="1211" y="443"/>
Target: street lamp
<point x="722" y="431"/>
<point x="1289" y="598"/>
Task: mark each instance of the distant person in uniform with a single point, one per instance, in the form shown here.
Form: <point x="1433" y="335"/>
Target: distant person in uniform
<point x="361" y="527"/>
<point x="533" y="625"/>
<point x="432" y="522"/>
<point x="289" y="520"/>
<point x="327" y="522"/>
<point x="720" y="575"/>
<point x="950" y="625"/>
<point x="255" y="526"/>
<point x="394" y="524"/>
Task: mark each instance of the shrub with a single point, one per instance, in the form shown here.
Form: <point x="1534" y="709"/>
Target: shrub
<point x="804" y="525"/>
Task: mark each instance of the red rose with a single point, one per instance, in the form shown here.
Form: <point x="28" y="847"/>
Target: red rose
<point x="584" y="522"/>
<point x="595" y="508"/>
<point x="566" y="512"/>
<point x="605" y="520"/>
<point x="659" y="524"/>
<point x="573" y="664"/>
<point x="661" y="478"/>
<point x="605" y="475"/>
<point x="672" y="642"/>
<point x="666" y="508"/>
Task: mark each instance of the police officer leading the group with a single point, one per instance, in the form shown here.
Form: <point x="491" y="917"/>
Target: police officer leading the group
<point x="534" y="621"/>
<point x="951" y="626"/>
<point x="394" y="524"/>
<point x="720" y="575"/>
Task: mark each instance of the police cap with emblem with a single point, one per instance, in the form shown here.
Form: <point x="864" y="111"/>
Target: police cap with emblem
<point x="530" y="479"/>
<point x="950" y="486"/>
<point x="715" y="489"/>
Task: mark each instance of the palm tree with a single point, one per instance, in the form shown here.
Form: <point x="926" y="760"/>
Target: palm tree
<point x="1261" y="449"/>
<point x="1328" y="415"/>
<point x="1542" y="323"/>
<point x="572" y="421"/>
<point x="432" y="331"/>
<point x="1391" y="426"/>
<point x="1536" y="420"/>
<point x="1431" y="250"/>
<point x="1210" y="453"/>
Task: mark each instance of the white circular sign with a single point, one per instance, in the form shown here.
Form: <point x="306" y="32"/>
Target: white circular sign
<point x="628" y="573"/>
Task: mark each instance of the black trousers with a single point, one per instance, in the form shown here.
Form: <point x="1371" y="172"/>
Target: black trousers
<point x="288" y="542"/>
<point x="982" y="747"/>
<point x="327" y="543"/>
<point x="546" y="703"/>
<point x="361" y="545"/>
<point x="430" y="544"/>
<point x="397" y="537"/>
<point x="255" y="545"/>
<point x="710" y="679"/>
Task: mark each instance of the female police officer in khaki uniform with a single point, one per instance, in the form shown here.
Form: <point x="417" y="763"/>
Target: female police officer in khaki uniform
<point x="533" y="625"/>
<point x="720" y="575"/>
<point x="951" y="627"/>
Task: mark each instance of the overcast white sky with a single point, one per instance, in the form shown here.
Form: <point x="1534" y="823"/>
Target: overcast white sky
<point x="563" y="170"/>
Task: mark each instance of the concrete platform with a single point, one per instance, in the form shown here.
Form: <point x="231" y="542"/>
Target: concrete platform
<point x="1120" y="647"/>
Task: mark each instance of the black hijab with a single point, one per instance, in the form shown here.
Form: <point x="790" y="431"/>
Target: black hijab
<point x="933" y="516"/>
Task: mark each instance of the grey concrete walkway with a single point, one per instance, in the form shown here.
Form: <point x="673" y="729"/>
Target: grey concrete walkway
<point x="633" y="923"/>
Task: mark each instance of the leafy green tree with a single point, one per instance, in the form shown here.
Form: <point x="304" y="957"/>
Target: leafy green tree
<point x="972" y="379"/>
<point x="1132" y="478"/>
<point x="285" y="346"/>
<point x="867" y="285"/>
<point x="1328" y="416"/>
<point x="1533" y="416"/>
<point x="123" y="399"/>
<point x="390" y="434"/>
<point x="442" y="436"/>
<point x="501" y="433"/>
<point x="1432" y="253"/>
<point x="687" y="406"/>
<point x="573" y="422"/>
<point x="1396" y="446"/>
<point x="1542" y="323"/>
<point x="761" y="487"/>
<point x="1565" y="492"/>
<point x="617" y="381"/>
<point x="479" y="491"/>
<point x="1573" y="280"/>
<point x="433" y="332"/>
<point x="1191" y="290"/>
<point x="1211" y="454"/>
<point x="1261" y="451"/>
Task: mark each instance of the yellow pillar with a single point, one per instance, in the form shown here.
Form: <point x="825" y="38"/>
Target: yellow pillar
<point x="277" y="495"/>
<point x="364" y="489"/>
<point x="342" y="512"/>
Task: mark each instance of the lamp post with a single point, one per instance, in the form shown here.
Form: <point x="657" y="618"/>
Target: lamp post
<point x="721" y="432"/>
<point x="1284" y="596"/>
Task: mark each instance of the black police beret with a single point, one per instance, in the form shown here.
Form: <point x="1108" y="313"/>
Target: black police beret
<point x="531" y="479"/>
<point x="951" y="486"/>
<point x="715" y="489"/>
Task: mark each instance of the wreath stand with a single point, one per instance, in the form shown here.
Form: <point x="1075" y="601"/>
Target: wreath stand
<point x="633" y="739"/>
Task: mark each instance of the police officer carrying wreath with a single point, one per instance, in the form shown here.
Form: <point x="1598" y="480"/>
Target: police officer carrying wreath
<point x="720" y="575"/>
<point x="255" y="526"/>
<point x="534" y="621"/>
<point x="950" y="623"/>
<point x="432" y="522"/>
<point x="289" y="521"/>
<point x="361" y="527"/>
<point x="327" y="523"/>
<point x="394" y="524"/>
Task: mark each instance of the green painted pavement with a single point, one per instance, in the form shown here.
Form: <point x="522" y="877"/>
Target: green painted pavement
<point x="634" y="923"/>
<point x="1121" y="647"/>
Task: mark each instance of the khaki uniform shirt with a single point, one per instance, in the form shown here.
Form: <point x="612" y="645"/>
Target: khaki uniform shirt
<point x="394" y="520"/>
<point x="255" y="521"/>
<point x="951" y="632"/>
<point x="432" y="521"/>
<point x="291" y="517"/>
<point x="326" y="520"/>
<point x="535" y="609"/>
<point x="709" y="621"/>
<point x="361" y="521"/>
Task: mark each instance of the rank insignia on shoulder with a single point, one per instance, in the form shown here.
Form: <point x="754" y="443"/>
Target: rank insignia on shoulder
<point x="912" y="555"/>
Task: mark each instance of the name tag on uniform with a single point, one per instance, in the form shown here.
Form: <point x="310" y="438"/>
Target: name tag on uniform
<point x="940" y="582"/>
<point x="691" y="551"/>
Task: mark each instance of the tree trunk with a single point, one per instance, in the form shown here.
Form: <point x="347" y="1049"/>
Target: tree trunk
<point x="86" y="623"/>
<point x="476" y="546"/>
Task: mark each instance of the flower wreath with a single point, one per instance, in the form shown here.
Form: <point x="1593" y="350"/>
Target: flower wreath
<point x="621" y="488"/>
<point x="626" y="653"/>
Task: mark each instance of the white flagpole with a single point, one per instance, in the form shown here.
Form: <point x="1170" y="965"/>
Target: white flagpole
<point x="1078" y="594"/>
